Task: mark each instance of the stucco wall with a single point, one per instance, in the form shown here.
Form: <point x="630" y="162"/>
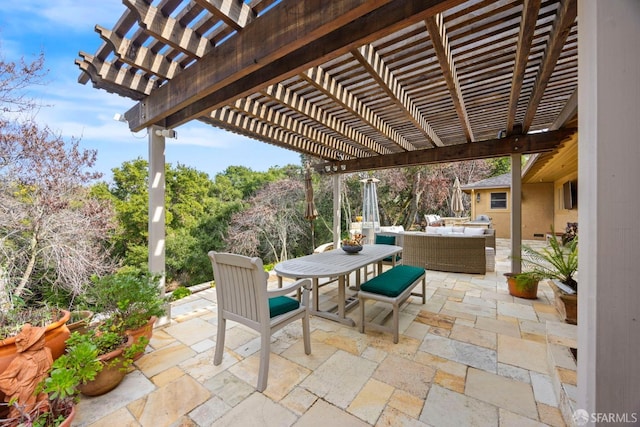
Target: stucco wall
<point x="537" y="210"/>
<point x="564" y="215"/>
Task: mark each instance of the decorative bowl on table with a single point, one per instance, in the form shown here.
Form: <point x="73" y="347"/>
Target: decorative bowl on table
<point x="352" y="249"/>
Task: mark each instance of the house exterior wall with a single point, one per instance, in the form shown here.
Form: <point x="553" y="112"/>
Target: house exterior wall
<point x="562" y="215"/>
<point x="537" y="210"/>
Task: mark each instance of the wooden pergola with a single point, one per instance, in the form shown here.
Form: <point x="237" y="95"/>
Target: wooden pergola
<point x="370" y="84"/>
<point x="359" y="84"/>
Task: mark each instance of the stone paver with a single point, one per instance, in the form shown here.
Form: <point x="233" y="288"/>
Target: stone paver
<point x="447" y="408"/>
<point x="471" y="356"/>
<point x="502" y="392"/>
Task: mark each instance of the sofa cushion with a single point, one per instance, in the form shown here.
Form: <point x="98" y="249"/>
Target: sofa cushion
<point x="445" y="230"/>
<point x="473" y="231"/>
<point x="433" y="230"/>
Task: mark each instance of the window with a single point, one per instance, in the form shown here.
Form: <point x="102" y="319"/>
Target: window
<point x="498" y="200"/>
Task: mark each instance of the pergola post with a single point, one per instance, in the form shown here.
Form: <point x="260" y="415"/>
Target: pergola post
<point x="337" y="213"/>
<point x="608" y="171"/>
<point x="157" y="205"/>
<point x="516" y="213"/>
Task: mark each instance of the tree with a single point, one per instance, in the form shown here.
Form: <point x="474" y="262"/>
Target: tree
<point x="52" y="232"/>
<point x="273" y="222"/>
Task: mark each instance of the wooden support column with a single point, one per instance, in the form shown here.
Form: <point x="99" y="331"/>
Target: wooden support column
<point x="157" y="205"/>
<point x="337" y="213"/>
<point x="516" y="213"/>
<point x="608" y="203"/>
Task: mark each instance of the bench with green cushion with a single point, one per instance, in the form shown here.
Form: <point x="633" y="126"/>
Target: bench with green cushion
<point x="394" y="286"/>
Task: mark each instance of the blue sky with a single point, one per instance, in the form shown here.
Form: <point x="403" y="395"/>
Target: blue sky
<point x="61" y="29"/>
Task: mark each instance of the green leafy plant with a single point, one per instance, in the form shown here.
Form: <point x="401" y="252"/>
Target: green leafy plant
<point x="556" y="261"/>
<point x="526" y="281"/>
<point x="179" y="293"/>
<point x="12" y="320"/>
<point x="127" y="299"/>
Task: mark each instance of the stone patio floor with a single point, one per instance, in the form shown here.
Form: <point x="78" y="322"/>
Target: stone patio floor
<point x="471" y="356"/>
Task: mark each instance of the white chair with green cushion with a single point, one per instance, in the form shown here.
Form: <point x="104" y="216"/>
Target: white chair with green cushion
<point x="241" y="289"/>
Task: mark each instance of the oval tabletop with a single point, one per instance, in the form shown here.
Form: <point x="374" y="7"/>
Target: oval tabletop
<point x="335" y="262"/>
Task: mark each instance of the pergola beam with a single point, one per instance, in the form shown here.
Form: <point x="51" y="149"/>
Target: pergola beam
<point x="376" y="67"/>
<point x="334" y="90"/>
<point x="561" y="28"/>
<point x="297" y="103"/>
<point x="525" y="39"/>
<point x="440" y="40"/>
<point x="523" y="144"/>
<point x="139" y="56"/>
<point x="234" y="13"/>
<point x="168" y="29"/>
<point x="294" y="36"/>
<point x="276" y="118"/>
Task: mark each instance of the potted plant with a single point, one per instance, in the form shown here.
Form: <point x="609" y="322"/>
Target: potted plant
<point x="127" y="301"/>
<point x="87" y="367"/>
<point x="114" y="352"/>
<point x="12" y="321"/>
<point x="523" y="285"/>
<point x="559" y="263"/>
<point x="37" y="393"/>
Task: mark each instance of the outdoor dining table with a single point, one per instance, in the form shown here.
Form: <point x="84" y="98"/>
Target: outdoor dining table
<point x="335" y="263"/>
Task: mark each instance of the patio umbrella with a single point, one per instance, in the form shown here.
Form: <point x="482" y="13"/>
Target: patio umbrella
<point x="310" y="212"/>
<point x="456" y="198"/>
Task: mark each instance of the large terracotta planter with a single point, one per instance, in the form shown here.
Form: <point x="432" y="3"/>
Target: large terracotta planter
<point x="566" y="304"/>
<point x="527" y="292"/>
<point x="55" y="336"/>
<point x="143" y="331"/>
<point x="111" y="375"/>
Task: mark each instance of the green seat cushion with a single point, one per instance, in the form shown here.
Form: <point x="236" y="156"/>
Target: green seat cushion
<point x="385" y="240"/>
<point x="393" y="282"/>
<point x="281" y="305"/>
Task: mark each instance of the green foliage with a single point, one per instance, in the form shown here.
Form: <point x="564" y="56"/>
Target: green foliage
<point x="180" y="292"/>
<point x="499" y="166"/>
<point x="128" y="299"/>
<point x="12" y="320"/>
<point x="527" y="280"/>
<point x="555" y="261"/>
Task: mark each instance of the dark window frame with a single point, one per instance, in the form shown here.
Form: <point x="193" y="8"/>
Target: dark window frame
<point x="498" y="202"/>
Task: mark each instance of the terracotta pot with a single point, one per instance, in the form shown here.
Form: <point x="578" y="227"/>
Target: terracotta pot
<point x="69" y="419"/>
<point x="82" y="324"/>
<point x="527" y="292"/>
<point x="566" y="304"/>
<point x="143" y="331"/>
<point x="55" y="336"/>
<point x="111" y="375"/>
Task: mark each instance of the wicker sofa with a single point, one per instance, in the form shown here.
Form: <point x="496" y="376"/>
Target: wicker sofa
<point x="459" y="254"/>
<point x="454" y="249"/>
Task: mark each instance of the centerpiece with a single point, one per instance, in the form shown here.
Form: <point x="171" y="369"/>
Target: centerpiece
<point x="354" y="244"/>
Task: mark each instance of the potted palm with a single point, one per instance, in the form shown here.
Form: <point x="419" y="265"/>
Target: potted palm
<point x="559" y="263"/>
